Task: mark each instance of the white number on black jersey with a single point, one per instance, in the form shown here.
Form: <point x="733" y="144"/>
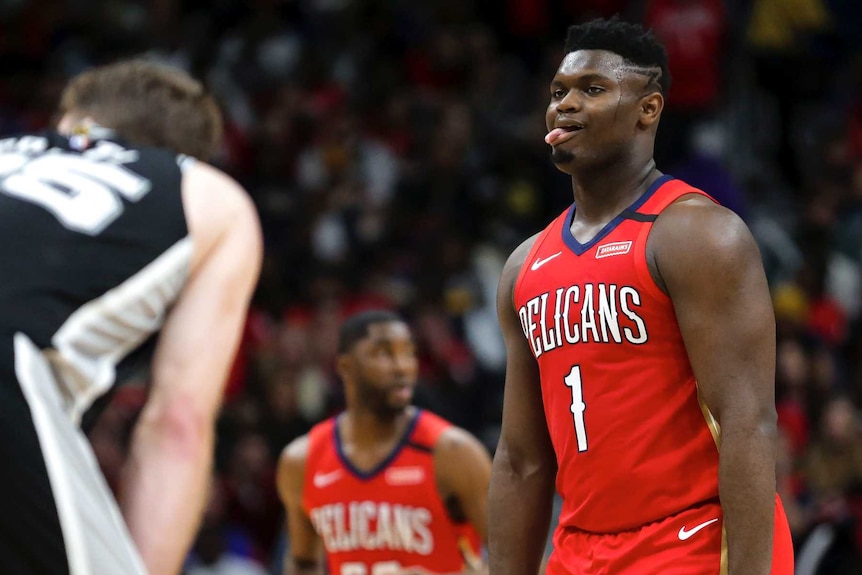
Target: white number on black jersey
<point x="82" y="191"/>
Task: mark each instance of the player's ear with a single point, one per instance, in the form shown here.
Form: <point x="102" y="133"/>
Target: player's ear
<point x="71" y="122"/>
<point x="651" y="106"/>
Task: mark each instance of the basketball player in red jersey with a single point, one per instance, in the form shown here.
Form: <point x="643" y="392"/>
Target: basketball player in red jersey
<point x="388" y="489"/>
<point x="641" y="352"/>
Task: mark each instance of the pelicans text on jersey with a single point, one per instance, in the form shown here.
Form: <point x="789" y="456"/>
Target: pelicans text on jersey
<point x="389" y="518"/>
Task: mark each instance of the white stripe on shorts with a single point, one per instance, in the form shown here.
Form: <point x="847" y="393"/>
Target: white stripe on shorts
<point x="96" y="539"/>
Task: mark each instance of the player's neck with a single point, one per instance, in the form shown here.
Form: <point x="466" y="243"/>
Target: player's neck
<point x="366" y="429"/>
<point x="602" y="194"/>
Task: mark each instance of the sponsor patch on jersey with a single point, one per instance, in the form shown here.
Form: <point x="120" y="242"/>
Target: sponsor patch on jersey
<point x="613" y="249"/>
<point x="405" y="475"/>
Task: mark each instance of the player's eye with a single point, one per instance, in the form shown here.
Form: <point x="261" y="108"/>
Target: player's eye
<point x="558" y="94"/>
<point x="594" y="90"/>
<point x="377" y="351"/>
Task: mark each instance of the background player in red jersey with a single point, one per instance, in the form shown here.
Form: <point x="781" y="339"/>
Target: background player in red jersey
<point x="648" y="326"/>
<point x="384" y="488"/>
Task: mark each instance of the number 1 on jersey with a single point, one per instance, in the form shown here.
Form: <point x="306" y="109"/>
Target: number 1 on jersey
<point x="573" y="380"/>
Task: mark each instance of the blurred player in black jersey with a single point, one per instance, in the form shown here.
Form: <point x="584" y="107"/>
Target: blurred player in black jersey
<point x="114" y="230"/>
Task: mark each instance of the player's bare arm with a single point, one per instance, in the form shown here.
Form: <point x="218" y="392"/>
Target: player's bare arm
<point x="166" y="479"/>
<point x="524" y="468"/>
<point x="707" y="261"/>
<point x="463" y="469"/>
<point x="305" y="544"/>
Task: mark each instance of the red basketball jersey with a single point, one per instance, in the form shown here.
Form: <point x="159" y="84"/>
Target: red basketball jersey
<point x="633" y="440"/>
<point x="392" y="517"/>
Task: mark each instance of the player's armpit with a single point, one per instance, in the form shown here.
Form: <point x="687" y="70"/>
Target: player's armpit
<point x="711" y="269"/>
<point x="463" y="469"/>
<point x="305" y="545"/>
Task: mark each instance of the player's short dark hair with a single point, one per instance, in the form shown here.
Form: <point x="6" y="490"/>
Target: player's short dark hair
<point x="637" y="46"/>
<point x="148" y="104"/>
<point x="355" y="327"/>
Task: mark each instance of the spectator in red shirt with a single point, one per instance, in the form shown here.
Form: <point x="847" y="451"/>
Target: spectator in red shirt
<point x="692" y="32"/>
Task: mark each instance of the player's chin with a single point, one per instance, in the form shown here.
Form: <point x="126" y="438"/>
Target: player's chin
<point x="562" y="157"/>
<point x="400" y="396"/>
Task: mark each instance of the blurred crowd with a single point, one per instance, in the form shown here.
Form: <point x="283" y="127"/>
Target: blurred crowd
<point x="395" y="151"/>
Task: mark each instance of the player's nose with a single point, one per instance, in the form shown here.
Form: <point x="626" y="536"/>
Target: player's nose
<point x="403" y="365"/>
<point x="570" y="103"/>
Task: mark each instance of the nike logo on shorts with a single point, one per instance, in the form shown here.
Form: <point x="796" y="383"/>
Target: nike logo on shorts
<point x="683" y="534"/>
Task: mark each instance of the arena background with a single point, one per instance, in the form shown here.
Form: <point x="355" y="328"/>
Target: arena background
<point x="394" y="149"/>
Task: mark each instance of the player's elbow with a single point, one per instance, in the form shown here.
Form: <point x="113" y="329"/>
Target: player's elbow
<point x="768" y="421"/>
<point x="750" y="425"/>
<point x="178" y="425"/>
<point x="523" y="464"/>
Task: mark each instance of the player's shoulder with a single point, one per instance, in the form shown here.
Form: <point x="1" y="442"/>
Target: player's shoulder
<point x="208" y="185"/>
<point x="293" y="458"/>
<point x="439" y="434"/>
<point x="218" y="208"/>
<point x="290" y="470"/>
<point x="515" y="261"/>
<point x="519" y="255"/>
<point x="454" y="443"/>
<point x="696" y="221"/>
<point x="694" y="232"/>
<point x="298" y="451"/>
<point x="459" y="455"/>
<point x="454" y="439"/>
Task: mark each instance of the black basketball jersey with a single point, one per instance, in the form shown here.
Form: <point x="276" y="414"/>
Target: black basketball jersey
<point x="94" y="249"/>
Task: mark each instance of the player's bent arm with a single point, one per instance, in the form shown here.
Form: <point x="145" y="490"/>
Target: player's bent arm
<point x="305" y="544"/>
<point x="165" y="480"/>
<point x="463" y="469"/>
<point x="710" y="266"/>
<point x="524" y="468"/>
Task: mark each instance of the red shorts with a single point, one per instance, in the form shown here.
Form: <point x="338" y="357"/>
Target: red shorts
<point x="690" y="543"/>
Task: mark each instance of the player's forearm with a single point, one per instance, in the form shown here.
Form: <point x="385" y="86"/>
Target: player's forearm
<point x="519" y="513"/>
<point x="165" y="486"/>
<point x="747" y="492"/>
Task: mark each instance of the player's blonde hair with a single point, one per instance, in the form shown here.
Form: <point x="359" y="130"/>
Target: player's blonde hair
<point x="148" y="104"/>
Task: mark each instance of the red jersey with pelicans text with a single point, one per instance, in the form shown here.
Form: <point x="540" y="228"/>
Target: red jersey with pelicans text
<point x="387" y="519"/>
<point x="633" y="441"/>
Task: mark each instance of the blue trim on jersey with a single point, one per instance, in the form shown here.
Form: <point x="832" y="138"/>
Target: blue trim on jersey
<point x="366" y="475"/>
<point x="580" y="248"/>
